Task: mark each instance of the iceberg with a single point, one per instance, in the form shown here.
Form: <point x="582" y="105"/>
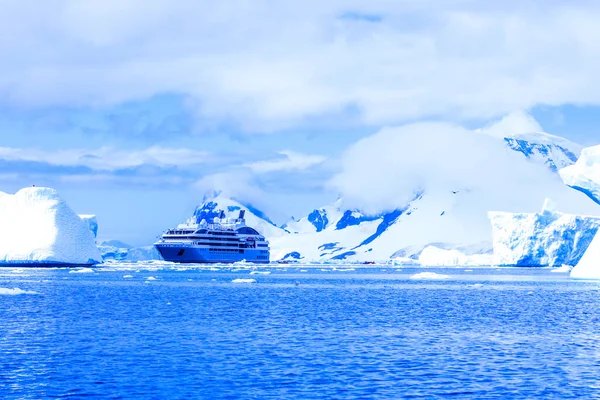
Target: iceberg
<point x="432" y="256"/>
<point x="38" y="227"/>
<point x="549" y="238"/>
<point x="589" y="265"/>
<point x="119" y="251"/>
<point x="584" y="175"/>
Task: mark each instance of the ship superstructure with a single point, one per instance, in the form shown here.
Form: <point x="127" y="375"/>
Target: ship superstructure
<point x="220" y="241"/>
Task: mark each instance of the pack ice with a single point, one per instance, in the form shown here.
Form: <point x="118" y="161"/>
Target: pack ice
<point x="584" y="176"/>
<point x="38" y="227"/>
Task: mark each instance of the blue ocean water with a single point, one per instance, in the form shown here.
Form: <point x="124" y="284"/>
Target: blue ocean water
<point x="301" y="333"/>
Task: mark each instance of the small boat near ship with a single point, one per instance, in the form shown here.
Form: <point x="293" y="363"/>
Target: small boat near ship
<point x="220" y="241"/>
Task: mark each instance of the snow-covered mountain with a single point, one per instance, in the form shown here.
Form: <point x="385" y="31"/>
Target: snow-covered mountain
<point x="214" y="202"/>
<point x="442" y="217"/>
<point x="552" y="151"/>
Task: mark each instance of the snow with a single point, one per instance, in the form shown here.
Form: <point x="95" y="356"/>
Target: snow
<point x="15" y="291"/>
<point x="429" y="276"/>
<point x="38" y="227"/>
<point x="549" y="238"/>
<point x="584" y="175"/>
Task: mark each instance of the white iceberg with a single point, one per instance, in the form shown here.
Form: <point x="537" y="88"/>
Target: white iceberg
<point x="38" y="227"/>
<point x="584" y="175"/>
<point x="589" y="265"/>
<point x="432" y="256"/>
<point x="119" y="251"/>
<point x="549" y="238"/>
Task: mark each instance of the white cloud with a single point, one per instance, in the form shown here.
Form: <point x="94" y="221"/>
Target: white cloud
<point x="108" y="158"/>
<point x="387" y="169"/>
<point x="240" y="185"/>
<point x="291" y="161"/>
<point x="512" y="124"/>
<point x="269" y="65"/>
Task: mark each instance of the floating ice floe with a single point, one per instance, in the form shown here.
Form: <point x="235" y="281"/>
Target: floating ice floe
<point x="243" y="281"/>
<point x="563" y="269"/>
<point x="429" y="276"/>
<point x="82" y="271"/>
<point x="260" y="273"/>
<point x="127" y="276"/>
<point x="150" y="278"/>
<point x="15" y="291"/>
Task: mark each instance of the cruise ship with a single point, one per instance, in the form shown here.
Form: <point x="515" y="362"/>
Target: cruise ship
<point x="220" y="241"/>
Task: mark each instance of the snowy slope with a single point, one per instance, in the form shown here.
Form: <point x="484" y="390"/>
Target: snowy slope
<point x="37" y="226"/>
<point x="553" y="151"/>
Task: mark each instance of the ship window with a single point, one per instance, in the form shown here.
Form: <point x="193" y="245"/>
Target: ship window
<point x="247" y="231"/>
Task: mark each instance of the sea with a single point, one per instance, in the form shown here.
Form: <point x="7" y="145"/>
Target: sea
<point x="164" y="331"/>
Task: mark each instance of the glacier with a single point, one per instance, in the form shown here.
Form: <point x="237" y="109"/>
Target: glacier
<point x="549" y="238"/>
<point x="38" y="227"/>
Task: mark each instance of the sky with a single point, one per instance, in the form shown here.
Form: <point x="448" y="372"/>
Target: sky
<point x="134" y="109"/>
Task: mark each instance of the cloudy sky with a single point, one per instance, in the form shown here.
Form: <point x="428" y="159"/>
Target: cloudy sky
<point x="134" y="108"/>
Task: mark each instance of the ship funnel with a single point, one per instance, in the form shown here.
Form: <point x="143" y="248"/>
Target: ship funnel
<point x="222" y="215"/>
<point x="242" y="214"/>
